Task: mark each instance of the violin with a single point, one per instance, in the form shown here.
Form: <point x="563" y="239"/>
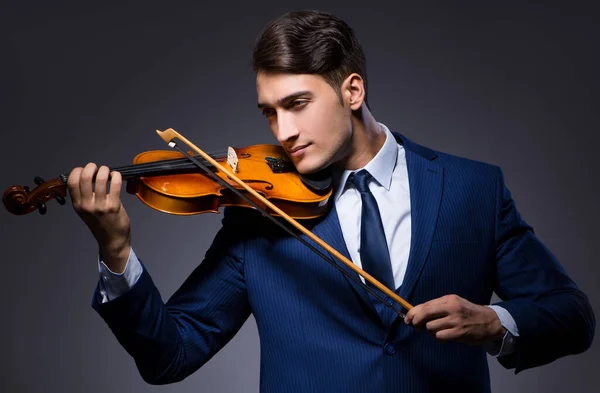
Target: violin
<point x="256" y="177"/>
<point x="168" y="182"/>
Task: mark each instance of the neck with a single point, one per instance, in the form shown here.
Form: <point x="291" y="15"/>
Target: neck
<point x="367" y="139"/>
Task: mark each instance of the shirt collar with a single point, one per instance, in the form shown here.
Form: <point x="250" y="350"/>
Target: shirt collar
<point x="380" y="167"/>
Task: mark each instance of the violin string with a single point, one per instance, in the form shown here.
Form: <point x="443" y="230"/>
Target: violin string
<point x="154" y="168"/>
<point x="289" y="230"/>
<point x="216" y="155"/>
<point x="175" y="163"/>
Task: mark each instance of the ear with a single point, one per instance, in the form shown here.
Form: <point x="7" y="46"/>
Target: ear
<point x="353" y="91"/>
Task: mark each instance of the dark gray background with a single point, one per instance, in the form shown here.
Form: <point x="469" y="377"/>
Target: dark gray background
<point x="514" y="86"/>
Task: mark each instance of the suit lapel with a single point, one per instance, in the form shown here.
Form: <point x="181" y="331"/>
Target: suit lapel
<point x="425" y="177"/>
<point x="329" y="230"/>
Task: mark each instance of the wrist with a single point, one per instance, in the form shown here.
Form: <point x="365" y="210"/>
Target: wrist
<point x="495" y="328"/>
<point x="115" y="257"/>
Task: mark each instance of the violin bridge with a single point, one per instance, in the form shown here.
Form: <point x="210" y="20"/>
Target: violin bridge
<point x="232" y="159"/>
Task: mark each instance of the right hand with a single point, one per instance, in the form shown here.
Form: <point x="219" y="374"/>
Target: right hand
<point x="102" y="212"/>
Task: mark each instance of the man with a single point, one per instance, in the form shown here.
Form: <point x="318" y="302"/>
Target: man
<point x="441" y="231"/>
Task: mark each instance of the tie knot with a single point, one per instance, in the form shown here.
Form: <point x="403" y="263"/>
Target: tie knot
<point x="360" y="180"/>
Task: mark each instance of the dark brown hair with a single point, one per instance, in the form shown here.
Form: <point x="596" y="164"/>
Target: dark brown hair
<point x="310" y="42"/>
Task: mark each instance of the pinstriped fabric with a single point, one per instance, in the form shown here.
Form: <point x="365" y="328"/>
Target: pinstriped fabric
<point x="318" y="330"/>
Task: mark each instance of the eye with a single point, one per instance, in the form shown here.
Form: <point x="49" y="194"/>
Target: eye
<point x="268" y="112"/>
<point x="298" y="104"/>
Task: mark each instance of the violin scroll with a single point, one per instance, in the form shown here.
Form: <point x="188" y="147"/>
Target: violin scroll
<point x="21" y="200"/>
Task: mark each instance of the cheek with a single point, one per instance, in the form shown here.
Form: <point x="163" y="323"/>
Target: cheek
<point x="326" y="123"/>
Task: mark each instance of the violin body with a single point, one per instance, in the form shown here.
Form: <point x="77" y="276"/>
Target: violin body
<point x="194" y="193"/>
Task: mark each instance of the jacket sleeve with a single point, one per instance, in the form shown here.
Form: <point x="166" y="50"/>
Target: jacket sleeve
<point x="553" y="315"/>
<point x="170" y="341"/>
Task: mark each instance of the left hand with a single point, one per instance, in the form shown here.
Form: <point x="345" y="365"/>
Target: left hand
<point x="452" y="318"/>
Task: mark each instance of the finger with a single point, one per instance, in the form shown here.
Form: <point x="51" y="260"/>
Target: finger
<point x="454" y="334"/>
<point x="438" y="324"/>
<point x="73" y="185"/>
<point x="424" y="307"/>
<point x="428" y="312"/>
<point x="415" y="310"/>
<point x="85" y="184"/>
<point x="410" y="315"/>
<point x="100" y="186"/>
<point x="114" y="195"/>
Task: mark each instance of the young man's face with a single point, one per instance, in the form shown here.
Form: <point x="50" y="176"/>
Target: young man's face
<point x="306" y="116"/>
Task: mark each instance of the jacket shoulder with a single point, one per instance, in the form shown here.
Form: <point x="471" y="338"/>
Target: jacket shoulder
<point x="453" y="164"/>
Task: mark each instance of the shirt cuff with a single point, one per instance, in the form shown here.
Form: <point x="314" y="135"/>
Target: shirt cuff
<point x="112" y="285"/>
<point x="508" y="343"/>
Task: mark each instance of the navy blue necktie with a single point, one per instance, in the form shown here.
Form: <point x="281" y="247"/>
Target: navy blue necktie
<point x="374" y="253"/>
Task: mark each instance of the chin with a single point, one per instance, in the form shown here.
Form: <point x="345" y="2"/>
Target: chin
<point x="306" y="166"/>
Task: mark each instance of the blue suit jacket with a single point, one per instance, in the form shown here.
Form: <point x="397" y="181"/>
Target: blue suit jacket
<point x="319" y="330"/>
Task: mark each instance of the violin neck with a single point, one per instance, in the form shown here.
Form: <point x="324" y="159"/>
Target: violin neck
<point x="159" y="168"/>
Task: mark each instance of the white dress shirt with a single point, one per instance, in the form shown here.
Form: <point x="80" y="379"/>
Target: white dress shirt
<point x="391" y="191"/>
<point x="390" y="187"/>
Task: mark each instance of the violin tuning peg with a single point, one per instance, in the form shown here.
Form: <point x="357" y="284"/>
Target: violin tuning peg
<point x="42" y="207"/>
<point x="38" y="180"/>
<point x="27" y="190"/>
<point x="59" y="198"/>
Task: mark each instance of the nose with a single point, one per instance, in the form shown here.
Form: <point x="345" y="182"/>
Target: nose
<point x="286" y="128"/>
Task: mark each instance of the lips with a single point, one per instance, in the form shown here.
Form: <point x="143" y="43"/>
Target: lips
<point x="297" y="150"/>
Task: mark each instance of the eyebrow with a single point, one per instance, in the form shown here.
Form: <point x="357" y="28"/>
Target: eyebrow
<point x="286" y="99"/>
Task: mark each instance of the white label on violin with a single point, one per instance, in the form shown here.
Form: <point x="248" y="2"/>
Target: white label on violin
<point x="232" y="159"/>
